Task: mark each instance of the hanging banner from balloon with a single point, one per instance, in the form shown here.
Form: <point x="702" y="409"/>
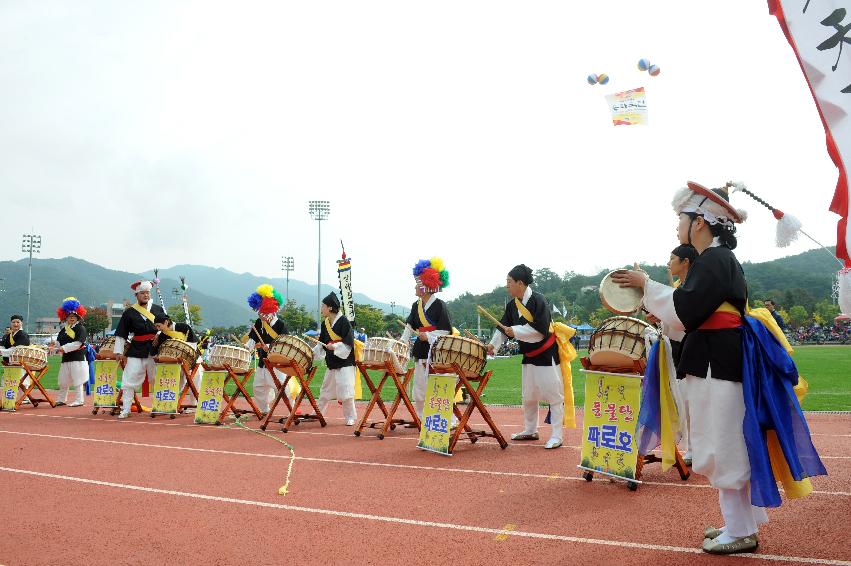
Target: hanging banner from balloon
<point x="628" y="108"/>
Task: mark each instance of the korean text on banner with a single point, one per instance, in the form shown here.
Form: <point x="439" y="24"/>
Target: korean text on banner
<point x="347" y="303"/>
<point x="166" y="392"/>
<point x="611" y="413"/>
<point x="106" y="377"/>
<point x="628" y="108"/>
<point x="437" y="414"/>
<point x="211" y="395"/>
<point x="11" y="380"/>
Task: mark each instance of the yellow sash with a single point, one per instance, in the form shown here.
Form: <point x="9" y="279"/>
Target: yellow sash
<point x="269" y="330"/>
<point x="12" y="338"/>
<point x="669" y="414"/>
<point x="421" y="312"/>
<point x="69" y="332"/>
<point x="334" y="336"/>
<point x="175" y="335"/>
<point x="143" y="311"/>
<point x="566" y="354"/>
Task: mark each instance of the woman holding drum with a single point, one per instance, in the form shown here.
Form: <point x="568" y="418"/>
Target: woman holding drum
<point x="74" y="371"/>
<point x="731" y="365"/>
<point x="527" y="319"/>
<point x="337" y="349"/>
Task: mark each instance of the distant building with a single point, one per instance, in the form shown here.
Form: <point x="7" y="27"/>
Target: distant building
<point x="114" y="312"/>
<point x="47" y="325"/>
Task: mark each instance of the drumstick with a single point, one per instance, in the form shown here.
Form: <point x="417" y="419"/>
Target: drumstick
<point x="312" y="339"/>
<point x="471" y="335"/>
<point x="389" y="335"/>
<point x="402" y="324"/>
<point x="491" y="317"/>
<point x="260" y="338"/>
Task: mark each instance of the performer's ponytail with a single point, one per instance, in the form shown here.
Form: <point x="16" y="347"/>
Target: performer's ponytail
<point x="726" y="235"/>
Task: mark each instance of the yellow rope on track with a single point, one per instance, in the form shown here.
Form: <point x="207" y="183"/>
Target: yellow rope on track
<point x="284" y="489"/>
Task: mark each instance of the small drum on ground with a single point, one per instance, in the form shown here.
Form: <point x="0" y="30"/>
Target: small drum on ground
<point x="292" y="349"/>
<point x="237" y="357"/>
<point x="377" y="351"/>
<point x="469" y="354"/>
<point x="618" y="342"/>
<point x="106" y="350"/>
<point x="178" y="350"/>
<point x="620" y="300"/>
<point x="35" y="357"/>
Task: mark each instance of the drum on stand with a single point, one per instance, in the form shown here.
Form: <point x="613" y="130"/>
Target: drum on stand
<point x="618" y="342"/>
<point x="237" y="357"/>
<point x="291" y="349"/>
<point x="35" y="357"/>
<point x="106" y="350"/>
<point x="378" y="351"/>
<point x="469" y="354"/>
<point x="178" y="350"/>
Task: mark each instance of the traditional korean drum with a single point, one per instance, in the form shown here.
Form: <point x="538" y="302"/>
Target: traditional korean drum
<point x="618" y="342"/>
<point x="469" y="354"/>
<point x="35" y="357"/>
<point x="377" y="351"/>
<point x="177" y="350"/>
<point x="620" y="300"/>
<point x="107" y="347"/>
<point x="291" y="349"/>
<point x="237" y="357"/>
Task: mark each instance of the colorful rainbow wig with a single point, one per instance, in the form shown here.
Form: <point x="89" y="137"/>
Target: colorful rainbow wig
<point x="265" y="300"/>
<point x="70" y="306"/>
<point x="431" y="274"/>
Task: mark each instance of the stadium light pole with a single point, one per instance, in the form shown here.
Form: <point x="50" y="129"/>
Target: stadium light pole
<point x="287" y="265"/>
<point x="31" y="244"/>
<point x="319" y="211"/>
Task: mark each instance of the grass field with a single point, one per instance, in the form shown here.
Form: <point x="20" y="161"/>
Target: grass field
<point x="826" y="368"/>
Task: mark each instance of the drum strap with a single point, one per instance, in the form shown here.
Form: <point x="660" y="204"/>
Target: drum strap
<point x="269" y="330"/>
<point x="69" y="332"/>
<point x="524" y="312"/>
<point x="143" y="311"/>
<point x="334" y="336"/>
<point x="174" y="334"/>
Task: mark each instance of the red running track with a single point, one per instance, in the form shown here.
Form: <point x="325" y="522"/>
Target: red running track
<point x="84" y="489"/>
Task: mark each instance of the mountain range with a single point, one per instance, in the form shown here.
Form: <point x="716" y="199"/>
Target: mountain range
<point x="220" y="293"/>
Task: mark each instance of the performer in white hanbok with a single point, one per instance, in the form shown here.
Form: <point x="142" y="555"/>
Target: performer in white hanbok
<point x="74" y="371"/>
<point x="429" y="319"/>
<point x="528" y="320"/>
<point x="136" y="326"/>
<point x="267" y="302"/>
<point x="739" y="378"/>
<point x="337" y="349"/>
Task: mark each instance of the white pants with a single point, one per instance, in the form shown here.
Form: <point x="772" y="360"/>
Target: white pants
<point x="73" y="374"/>
<point x="134" y="376"/>
<point x="339" y="384"/>
<point x="741" y="519"/>
<point x="684" y="418"/>
<point x="543" y="383"/>
<point x="78" y="389"/>
<point x="716" y="415"/>
<point x="265" y="390"/>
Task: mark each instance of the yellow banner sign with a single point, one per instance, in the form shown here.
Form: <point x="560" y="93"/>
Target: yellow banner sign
<point x="106" y="377"/>
<point x="609" y="445"/>
<point x="11" y="380"/>
<point x="166" y="393"/>
<point x="210" y="397"/>
<point x="437" y="414"/>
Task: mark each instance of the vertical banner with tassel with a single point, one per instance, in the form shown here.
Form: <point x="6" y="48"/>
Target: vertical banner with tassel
<point x="344" y="274"/>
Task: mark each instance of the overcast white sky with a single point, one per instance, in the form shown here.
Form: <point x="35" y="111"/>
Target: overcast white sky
<point x="147" y="134"/>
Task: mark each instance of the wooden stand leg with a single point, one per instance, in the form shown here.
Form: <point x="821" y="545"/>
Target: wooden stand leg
<point x="35" y="381"/>
<point x="475" y="403"/>
<point x="189" y="386"/>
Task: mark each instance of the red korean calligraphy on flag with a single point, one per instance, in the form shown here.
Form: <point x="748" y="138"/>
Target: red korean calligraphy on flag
<point x="817" y="32"/>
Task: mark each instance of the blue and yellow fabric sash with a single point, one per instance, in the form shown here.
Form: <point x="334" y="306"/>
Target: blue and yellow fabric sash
<point x="358" y="355"/>
<point x="143" y="311"/>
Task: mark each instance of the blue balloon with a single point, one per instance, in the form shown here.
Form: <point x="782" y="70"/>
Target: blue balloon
<point x="603" y="78"/>
<point x="643" y="64"/>
<point x="592" y="79"/>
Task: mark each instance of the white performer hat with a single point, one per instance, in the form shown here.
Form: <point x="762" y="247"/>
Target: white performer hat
<point x="141" y="286"/>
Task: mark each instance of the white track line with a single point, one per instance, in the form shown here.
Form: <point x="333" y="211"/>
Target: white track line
<point x="549" y="477"/>
<point x="417" y="523"/>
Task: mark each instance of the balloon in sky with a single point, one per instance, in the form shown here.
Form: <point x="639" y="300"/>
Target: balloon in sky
<point x="592" y="79"/>
<point x="603" y="78"/>
<point x="643" y="64"/>
<point x="654" y="70"/>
